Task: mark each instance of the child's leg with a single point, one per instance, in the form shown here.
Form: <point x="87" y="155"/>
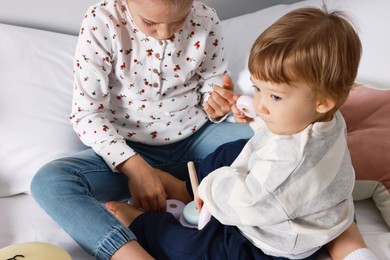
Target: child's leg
<point x="165" y="238"/>
<point x="224" y="155"/>
<point x="174" y="187"/>
<point x="347" y="243"/>
<point x="80" y="182"/>
<point x="155" y="230"/>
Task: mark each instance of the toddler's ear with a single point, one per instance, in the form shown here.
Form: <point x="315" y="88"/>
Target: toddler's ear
<point x="325" y="105"/>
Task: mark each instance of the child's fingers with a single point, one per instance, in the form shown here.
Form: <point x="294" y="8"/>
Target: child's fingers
<point x="214" y="114"/>
<point x="228" y="83"/>
<point x="236" y="111"/>
<point x="223" y="95"/>
<point x="239" y="116"/>
<point x="198" y="202"/>
<point x="219" y="102"/>
<point x="235" y="97"/>
<point x="162" y="202"/>
<point x="226" y="91"/>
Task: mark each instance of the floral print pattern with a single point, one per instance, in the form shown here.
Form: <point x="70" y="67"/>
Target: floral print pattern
<point x="129" y="85"/>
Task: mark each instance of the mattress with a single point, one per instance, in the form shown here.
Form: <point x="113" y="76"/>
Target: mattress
<point x="22" y="220"/>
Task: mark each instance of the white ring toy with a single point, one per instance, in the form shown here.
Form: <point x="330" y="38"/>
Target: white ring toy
<point x="245" y="104"/>
<point x="175" y="207"/>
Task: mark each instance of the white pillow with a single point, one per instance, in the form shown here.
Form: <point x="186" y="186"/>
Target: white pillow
<point x="36" y="69"/>
<point x="370" y="17"/>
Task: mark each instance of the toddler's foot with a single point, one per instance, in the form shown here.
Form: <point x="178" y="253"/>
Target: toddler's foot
<point x="174" y="187"/>
<point x="124" y="212"/>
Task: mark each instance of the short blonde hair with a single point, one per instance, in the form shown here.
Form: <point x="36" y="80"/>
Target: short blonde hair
<point x="309" y="45"/>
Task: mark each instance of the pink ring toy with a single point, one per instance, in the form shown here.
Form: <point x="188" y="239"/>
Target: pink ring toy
<point x="204" y="217"/>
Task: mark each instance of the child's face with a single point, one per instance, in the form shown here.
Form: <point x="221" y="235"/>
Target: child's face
<point x="156" y="19"/>
<point x="285" y="109"/>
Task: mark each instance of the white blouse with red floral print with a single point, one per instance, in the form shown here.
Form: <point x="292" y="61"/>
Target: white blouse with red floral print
<point x="129" y="85"/>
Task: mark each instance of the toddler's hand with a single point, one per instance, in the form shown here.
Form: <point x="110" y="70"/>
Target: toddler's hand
<point x="239" y="116"/>
<point x="198" y="201"/>
<point x="204" y="214"/>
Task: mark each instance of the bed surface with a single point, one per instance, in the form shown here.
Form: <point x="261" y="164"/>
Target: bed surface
<point x="22" y="220"/>
<point x="29" y="55"/>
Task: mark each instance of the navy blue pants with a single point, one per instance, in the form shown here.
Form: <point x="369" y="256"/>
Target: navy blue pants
<point x="165" y="238"/>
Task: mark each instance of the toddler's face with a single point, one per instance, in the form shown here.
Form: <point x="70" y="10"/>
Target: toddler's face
<point x="285" y="109"/>
<point x="156" y="19"/>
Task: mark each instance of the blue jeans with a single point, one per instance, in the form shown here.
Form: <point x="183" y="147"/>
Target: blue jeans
<point x="72" y="190"/>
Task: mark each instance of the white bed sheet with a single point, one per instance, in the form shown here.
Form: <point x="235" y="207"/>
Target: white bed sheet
<point x="373" y="227"/>
<point x="22" y="220"/>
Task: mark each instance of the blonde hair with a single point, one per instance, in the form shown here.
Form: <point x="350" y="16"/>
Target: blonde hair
<point x="173" y="5"/>
<point x="309" y="45"/>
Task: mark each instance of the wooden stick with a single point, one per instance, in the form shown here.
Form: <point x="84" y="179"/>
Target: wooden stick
<point x="193" y="176"/>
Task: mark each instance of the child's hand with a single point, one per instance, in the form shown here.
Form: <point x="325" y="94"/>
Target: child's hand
<point x="221" y="99"/>
<point x="239" y="116"/>
<point x="145" y="185"/>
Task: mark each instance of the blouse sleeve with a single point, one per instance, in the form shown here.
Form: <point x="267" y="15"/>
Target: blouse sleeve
<point x="215" y="63"/>
<point x="243" y="195"/>
<point x="91" y="98"/>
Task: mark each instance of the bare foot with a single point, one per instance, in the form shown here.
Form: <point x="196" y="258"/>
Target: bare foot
<point x="174" y="187"/>
<point x="124" y="212"/>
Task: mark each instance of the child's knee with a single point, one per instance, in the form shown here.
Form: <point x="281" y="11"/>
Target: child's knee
<point x="47" y="180"/>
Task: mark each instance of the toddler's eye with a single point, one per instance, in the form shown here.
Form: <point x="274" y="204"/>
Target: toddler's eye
<point x="256" y="88"/>
<point x="276" y="98"/>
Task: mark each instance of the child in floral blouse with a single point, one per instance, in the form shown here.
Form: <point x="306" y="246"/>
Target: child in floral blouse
<point x="288" y="190"/>
<point x="149" y="85"/>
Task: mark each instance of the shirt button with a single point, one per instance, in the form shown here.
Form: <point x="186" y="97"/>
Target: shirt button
<point x="157" y="55"/>
<point x="155" y="71"/>
<point x="155" y="85"/>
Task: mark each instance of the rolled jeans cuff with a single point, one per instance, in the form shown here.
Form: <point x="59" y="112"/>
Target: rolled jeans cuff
<point x="115" y="240"/>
